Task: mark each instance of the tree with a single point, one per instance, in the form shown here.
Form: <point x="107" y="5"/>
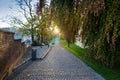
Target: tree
<point x="28" y="21"/>
<point x="43" y="12"/>
<point x="64" y="16"/>
<point x="99" y="23"/>
<point x="100" y="31"/>
<point x="35" y="21"/>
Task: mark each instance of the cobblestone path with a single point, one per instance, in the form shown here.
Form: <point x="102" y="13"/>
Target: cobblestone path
<point x="59" y="64"/>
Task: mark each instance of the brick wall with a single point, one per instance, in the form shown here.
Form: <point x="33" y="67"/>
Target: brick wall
<point x="11" y="52"/>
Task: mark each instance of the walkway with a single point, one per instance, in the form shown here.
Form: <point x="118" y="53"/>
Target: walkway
<point x="59" y="64"/>
<point x="41" y="52"/>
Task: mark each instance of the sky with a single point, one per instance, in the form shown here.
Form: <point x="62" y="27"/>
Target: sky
<point x="7" y="9"/>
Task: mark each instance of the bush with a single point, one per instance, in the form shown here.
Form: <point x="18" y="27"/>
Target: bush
<point x="36" y="43"/>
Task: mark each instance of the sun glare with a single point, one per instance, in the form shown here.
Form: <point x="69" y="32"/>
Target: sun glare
<point x="56" y="30"/>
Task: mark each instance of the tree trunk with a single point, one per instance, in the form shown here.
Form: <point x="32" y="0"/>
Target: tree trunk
<point x="41" y="38"/>
<point x="68" y="43"/>
<point x="32" y="38"/>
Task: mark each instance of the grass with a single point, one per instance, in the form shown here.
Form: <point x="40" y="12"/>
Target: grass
<point x="107" y="73"/>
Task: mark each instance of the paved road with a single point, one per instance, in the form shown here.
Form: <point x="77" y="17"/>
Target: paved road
<point x="58" y="65"/>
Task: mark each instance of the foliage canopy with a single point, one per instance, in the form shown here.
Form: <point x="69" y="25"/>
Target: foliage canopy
<point x="99" y="22"/>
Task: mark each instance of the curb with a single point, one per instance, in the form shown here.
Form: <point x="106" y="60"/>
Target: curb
<point x="45" y="54"/>
<point x="22" y="63"/>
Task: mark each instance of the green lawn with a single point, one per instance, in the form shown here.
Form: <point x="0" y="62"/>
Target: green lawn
<point x="107" y="73"/>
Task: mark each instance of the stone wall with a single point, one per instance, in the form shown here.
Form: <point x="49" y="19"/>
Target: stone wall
<point x="11" y="52"/>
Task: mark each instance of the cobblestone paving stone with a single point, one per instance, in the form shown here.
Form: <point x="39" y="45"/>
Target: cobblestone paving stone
<point x="58" y="65"/>
<point x="40" y="53"/>
<point x="26" y="57"/>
